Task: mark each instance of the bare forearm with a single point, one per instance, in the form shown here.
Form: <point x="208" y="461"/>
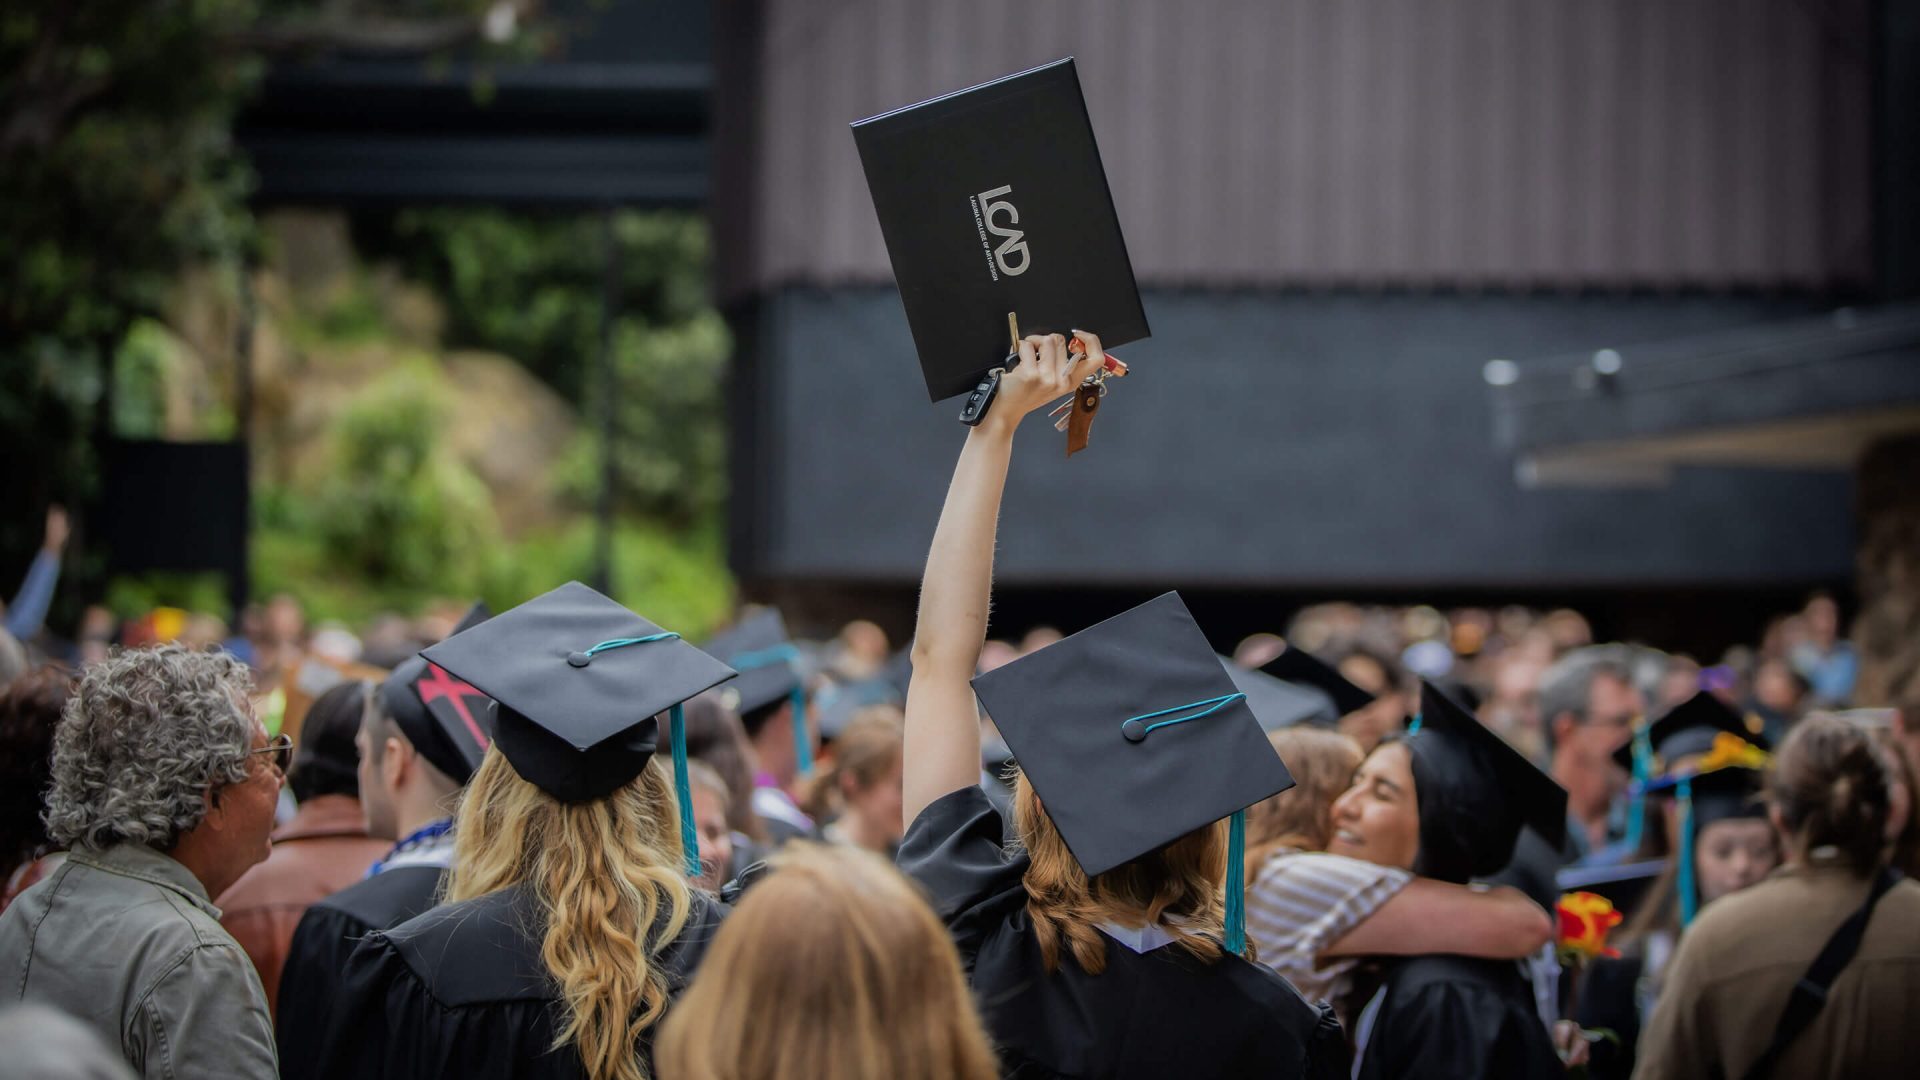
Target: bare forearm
<point x="1438" y="917"/>
<point x="942" y="752"/>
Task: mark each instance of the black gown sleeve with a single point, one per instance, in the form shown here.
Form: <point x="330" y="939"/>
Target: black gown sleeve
<point x="954" y="850"/>
<point x="309" y="986"/>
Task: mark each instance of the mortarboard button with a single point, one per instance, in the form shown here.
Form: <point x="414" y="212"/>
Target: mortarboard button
<point x="579" y="659"/>
<point x="1134" y="730"/>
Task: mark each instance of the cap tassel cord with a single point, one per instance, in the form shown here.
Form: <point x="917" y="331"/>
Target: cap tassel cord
<point x="781" y="654"/>
<point x="683" y="789"/>
<point x="1207" y="708"/>
<point x="1637" y="800"/>
<point x="1689" y="898"/>
<point x="1413" y="726"/>
<point x="1234" y="933"/>
<point x="677" y="734"/>
<point x="1236" y="929"/>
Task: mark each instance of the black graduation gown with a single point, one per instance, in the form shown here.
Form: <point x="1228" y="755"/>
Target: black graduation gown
<point x="1610" y="999"/>
<point x="1155" y="1014"/>
<point x="1460" y="1018"/>
<point x="317" y="957"/>
<point x="461" y="992"/>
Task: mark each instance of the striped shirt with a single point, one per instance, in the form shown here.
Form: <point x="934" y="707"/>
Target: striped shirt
<point x="1301" y="902"/>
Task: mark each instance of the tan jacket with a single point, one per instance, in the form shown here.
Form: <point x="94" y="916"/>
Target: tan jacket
<point x="124" y="940"/>
<point x="324" y="849"/>
<point x="1737" y="963"/>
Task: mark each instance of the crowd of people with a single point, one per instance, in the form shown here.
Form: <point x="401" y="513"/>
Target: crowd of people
<point x="562" y="840"/>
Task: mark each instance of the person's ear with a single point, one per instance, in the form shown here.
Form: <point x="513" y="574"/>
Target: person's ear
<point x="395" y="763"/>
<point x="1563" y="728"/>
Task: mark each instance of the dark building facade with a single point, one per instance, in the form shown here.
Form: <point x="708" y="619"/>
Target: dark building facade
<point x="1340" y="214"/>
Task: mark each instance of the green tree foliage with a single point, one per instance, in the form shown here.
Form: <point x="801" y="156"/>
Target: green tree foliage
<point x="532" y="288"/>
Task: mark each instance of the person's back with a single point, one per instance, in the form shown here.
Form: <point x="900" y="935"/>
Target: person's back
<point x="1743" y="955"/>
<point x="1725" y="1001"/>
<point x="1455" y="1016"/>
<point x="126" y="941"/>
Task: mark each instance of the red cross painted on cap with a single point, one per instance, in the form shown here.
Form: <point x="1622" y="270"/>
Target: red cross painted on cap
<point x="439" y="684"/>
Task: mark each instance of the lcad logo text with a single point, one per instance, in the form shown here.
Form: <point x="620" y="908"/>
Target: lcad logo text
<point x="1014" y="243"/>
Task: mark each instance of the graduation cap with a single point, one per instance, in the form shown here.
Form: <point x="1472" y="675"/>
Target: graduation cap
<point x="1133" y="735"/>
<point x="1624" y="884"/>
<point x="445" y="719"/>
<point x="993" y="200"/>
<point x="769" y="666"/>
<point x="1688" y="728"/>
<point x="1475" y="793"/>
<point x="579" y="682"/>
<point x="1280" y="704"/>
<point x="1302" y="667"/>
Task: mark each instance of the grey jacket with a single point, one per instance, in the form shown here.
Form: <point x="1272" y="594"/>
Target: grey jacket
<point x="125" y="940"/>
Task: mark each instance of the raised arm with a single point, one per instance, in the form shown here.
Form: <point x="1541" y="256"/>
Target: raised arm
<point x="942" y="752"/>
<point x="1440" y="917"/>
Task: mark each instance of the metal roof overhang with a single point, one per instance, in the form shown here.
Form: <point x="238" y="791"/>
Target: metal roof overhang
<point x="1802" y="394"/>
<point x="539" y="135"/>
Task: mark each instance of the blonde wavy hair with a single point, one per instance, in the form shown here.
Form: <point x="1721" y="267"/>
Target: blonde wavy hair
<point x="603" y="873"/>
<point x="1179" y="882"/>
<point x="835" y="966"/>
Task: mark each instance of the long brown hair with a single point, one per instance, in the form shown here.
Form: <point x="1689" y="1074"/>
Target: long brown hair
<point x="832" y="966"/>
<point x="1830" y="785"/>
<point x="607" y="877"/>
<point x="1181" y="879"/>
<point x="1322" y="763"/>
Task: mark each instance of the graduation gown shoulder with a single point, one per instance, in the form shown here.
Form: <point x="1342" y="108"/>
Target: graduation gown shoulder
<point x="461" y="992"/>
<point x="317" y="957"/>
<point x="1153" y="1014"/>
<point x="1458" y="1017"/>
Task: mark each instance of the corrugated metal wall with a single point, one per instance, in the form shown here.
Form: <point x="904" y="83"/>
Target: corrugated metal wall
<point x="1505" y="144"/>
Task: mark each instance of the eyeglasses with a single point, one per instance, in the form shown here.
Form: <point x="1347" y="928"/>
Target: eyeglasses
<point x="281" y="747"/>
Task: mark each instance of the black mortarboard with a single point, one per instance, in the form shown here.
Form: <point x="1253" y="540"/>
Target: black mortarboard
<point x="1302" y="667"/>
<point x="1474" y="793"/>
<point x="1625" y="884"/>
<point x="445" y="719"/>
<point x="769" y="666"/>
<point x="992" y="200"/>
<point x="1688" y="728"/>
<point x="1281" y="704"/>
<point x="579" y="682"/>
<point x="759" y="649"/>
<point x="1132" y="734"/>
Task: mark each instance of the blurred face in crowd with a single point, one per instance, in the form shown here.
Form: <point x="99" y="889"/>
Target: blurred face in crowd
<point x="1584" y="755"/>
<point x="1377" y="818"/>
<point x="283" y="621"/>
<point x="1775" y="687"/>
<point x="1733" y="854"/>
<point x="716" y="840"/>
<point x="1823" y="621"/>
<point x="878" y="804"/>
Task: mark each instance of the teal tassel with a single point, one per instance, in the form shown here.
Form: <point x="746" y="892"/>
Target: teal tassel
<point x="802" y="745"/>
<point x="1236" y="930"/>
<point x="1637" y="804"/>
<point x="1413" y="726"/>
<point x="1689" y="894"/>
<point x="683" y="790"/>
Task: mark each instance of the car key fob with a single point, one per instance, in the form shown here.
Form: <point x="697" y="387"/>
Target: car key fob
<point x="978" y="402"/>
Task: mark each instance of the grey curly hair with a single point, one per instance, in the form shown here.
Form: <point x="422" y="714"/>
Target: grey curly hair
<point x="144" y="736"/>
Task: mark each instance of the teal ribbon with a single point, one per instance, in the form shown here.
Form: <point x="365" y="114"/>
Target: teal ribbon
<point x="1207" y="707"/>
<point x="683" y="789"/>
<point x="677" y="733"/>
<point x="1236" y="928"/>
<point x="1689" y="893"/>
<point x="1637" y="800"/>
<point x="784" y="654"/>
<point x="1234" y="934"/>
